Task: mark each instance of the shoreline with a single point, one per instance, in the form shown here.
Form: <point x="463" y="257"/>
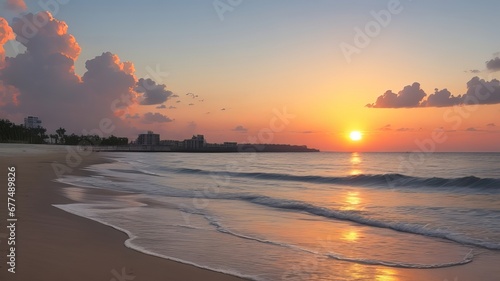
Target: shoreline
<point x="57" y="245"/>
<point x="52" y="244"/>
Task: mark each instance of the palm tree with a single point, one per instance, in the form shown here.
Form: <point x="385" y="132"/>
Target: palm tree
<point x="55" y="137"/>
<point x="61" y="132"/>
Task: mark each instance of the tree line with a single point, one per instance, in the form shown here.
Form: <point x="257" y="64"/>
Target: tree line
<point x="12" y="133"/>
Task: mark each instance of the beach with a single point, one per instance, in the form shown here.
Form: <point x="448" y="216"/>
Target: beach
<point x="243" y="235"/>
<point x="55" y="245"/>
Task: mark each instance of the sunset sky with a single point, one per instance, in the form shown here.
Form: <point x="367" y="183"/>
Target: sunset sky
<point x="225" y="68"/>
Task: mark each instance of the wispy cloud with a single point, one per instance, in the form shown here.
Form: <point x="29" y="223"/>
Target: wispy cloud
<point x="151" y="117"/>
<point x="240" y="128"/>
<point x="15" y="5"/>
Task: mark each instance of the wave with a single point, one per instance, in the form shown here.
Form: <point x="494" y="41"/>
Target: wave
<point x="76" y="210"/>
<point x="219" y="227"/>
<point x="466" y="259"/>
<point x="389" y="180"/>
<point x="300" y="206"/>
<point x="357" y="217"/>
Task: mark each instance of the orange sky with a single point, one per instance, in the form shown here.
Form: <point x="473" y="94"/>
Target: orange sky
<point x="225" y="77"/>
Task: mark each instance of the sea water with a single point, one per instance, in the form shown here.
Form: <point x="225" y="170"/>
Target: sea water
<point x="300" y="216"/>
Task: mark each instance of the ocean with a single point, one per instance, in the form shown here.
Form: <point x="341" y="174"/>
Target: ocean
<point x="301" y="216"/>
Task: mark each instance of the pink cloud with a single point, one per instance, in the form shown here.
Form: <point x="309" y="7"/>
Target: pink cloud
<point x="15" y="5"/>
<point x="6" y="34"/>
<point x="42" y="81"/>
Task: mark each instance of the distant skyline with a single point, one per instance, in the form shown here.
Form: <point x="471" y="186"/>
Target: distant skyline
<point x="402" y="73"/>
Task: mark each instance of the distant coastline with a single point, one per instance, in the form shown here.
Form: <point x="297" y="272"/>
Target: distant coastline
<point x="238" y="148"/>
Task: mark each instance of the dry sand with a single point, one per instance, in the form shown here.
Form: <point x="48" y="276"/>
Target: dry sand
<point x="54" y="245"/>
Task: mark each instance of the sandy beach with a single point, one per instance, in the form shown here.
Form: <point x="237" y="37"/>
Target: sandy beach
<point x="54" y="245"/>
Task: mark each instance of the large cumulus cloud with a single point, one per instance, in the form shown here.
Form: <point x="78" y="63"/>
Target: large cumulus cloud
<point x="42" y="81"/>
<point x="479" y="91"/>
<point x="6" y="34"/>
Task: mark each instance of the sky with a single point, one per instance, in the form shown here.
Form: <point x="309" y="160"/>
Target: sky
<point x="409" y="75"/>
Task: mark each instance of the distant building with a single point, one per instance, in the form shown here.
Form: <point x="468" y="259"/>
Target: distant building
<point x="32" y="122"/>
<point x="196" y="142"/>
<point x="148" y="139"/>
<point x="230" y="144"/>
<point x="172" y="143"/>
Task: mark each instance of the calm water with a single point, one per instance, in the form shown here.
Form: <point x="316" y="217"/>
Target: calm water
<point x="310" y="216"/>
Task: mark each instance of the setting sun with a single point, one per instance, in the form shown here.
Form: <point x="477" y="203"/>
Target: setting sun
<point x="356" y="135"/>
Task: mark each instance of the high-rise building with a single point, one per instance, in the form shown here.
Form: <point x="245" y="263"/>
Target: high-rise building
<point x="196" y="142"/>
<point x="148" y="139"/>
<point x="32" y="122"/>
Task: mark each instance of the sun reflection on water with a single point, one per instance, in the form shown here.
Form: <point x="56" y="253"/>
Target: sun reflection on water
<point x="351" y="236"/>
<point x="352" y="201"/>
<point x="386" y="274"/>
<point x="362" y="272"/>
<point x="355" y="160"/>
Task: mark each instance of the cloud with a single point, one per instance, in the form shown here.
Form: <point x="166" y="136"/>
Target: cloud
<point x="48" y="87"/>
<point x="385" y="128"/>
<point x="474" y="71"/>
<point x="493" y="64"/>
<point x="192" y="95"/>
<point x="151" y="117"/>
<point x="479" y="91"/>
<point x="15" y="5"/>
<point x="172" y="107"/>
<point x="161" y="106"/>
<point x="191" y="104"/>
<point x="405" y="130"/>
<point x="240" y="128"/>
<point x="135" y="116"/>
<point x="441" y="98"/>
<point x="42" y="80"/>
<point x="6" y="34"/>
<point x="151" y="92"/>
<point x="491" y="125"/>
<point x="471" y="129"/>
<point x="410" y="96"/>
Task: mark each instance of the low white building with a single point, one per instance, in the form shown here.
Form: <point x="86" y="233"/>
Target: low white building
<point x="32" y="122"/>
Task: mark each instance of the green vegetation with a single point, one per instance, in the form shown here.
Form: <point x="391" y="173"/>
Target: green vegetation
<point x="12" y="133"/>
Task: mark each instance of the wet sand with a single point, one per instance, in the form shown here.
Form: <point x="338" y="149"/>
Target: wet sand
<point x="55" y="245"/>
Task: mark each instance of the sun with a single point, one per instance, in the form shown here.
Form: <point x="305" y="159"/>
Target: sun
<point x="356" y="135"/>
